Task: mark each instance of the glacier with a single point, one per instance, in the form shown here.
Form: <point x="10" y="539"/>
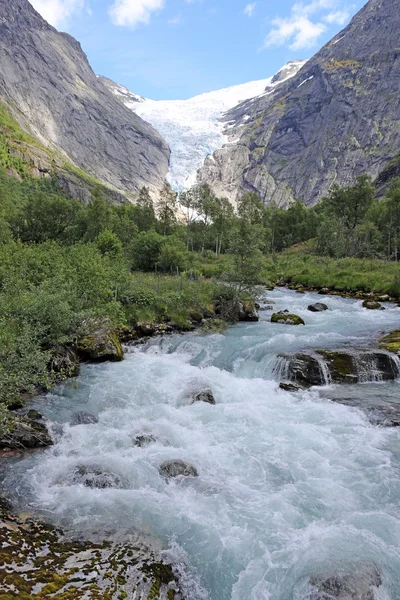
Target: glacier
<point x="194" y="128"/>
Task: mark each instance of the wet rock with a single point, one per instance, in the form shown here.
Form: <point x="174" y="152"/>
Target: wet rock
<point x="359" y="585"/>
<point x="144" y="440"/>
<point x="206" y="396"/>
<point x="317" y="307"/>
<point x="391" y="342"/>
<point x="128" y="335"/>
<point x="324" y="291"/>
<point x="384" y="298"/>
<point x="83" y="418"/>
<point x="145" y="329"/>
<point x="23" y="433"/>
<point x="248" y="312"/>
<point x="34" y="414"/>
<point x="371" y="304"/>
<point x="65" y="362"/>
<point x="289" y="386"/>
<point x="342" y="366"/>
<point x="305" y="370"/>
<point x="177" y="468"/>
<point x="99" y="341"/>
<point x="287" y="319"/>
<point x="96" y="477"/>
<point x="266" y="307"/>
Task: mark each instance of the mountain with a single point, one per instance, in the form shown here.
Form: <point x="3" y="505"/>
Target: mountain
<point x="47" y="84"/>
<point x="339" y="116"/>
<point x="193" y="128"/>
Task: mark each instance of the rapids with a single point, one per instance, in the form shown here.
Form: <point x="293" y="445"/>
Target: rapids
<point x="290" y="485"/>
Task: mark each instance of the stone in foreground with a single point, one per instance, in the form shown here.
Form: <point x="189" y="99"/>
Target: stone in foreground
<point x="177" y="468"/>
<point x="372" y="304"/>
<point x="83" y="418"/>
<point x="25" y="434"/>
<point x="287" y="319"/>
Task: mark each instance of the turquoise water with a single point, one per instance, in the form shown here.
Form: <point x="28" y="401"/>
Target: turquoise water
<point x="289" y="486"/>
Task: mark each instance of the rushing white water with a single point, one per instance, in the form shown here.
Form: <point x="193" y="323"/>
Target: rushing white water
<point x="289" y="486"/>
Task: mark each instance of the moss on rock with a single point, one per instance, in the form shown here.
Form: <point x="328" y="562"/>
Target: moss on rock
<point x="287" y="319"/>
<point x="99" y="341"/>
<point x="391" y="342"/>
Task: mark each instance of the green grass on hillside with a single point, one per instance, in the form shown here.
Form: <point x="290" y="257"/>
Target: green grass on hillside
<point x="344" y="275"/>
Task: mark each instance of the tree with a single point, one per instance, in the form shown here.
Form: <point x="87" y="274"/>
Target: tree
<point x="222" y="217"/>
<point x="167" y="208"/>
<point x="206" y="206"/>
<point x="173" y="255"/>
<point x="109" y="244"/>
<point x="99" y="216"/>
<point x="189" y="201"/>
<point x="145" y="216"/>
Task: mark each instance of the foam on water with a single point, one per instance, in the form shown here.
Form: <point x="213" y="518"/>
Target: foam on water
<point x="289" y="485"/>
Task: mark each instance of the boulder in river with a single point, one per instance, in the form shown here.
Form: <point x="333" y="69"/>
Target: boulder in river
<point x="391" y="342"/>
<point x="361" y="584"/>
<point x="83" y="418"/>
<point x="287" y="319"/>
<point x="96" y="477"/>
<point x="23" y="433"/>
<point x="317" y="307"/>
<point x="177" y="468"/>
<point x="372" y="304"/>
<point x="99" y="341"/>
<point x="206" y="396"/>
<point x="340" y="366"/>
<point x="144" y="440"/>
<point x="34" y="414"/>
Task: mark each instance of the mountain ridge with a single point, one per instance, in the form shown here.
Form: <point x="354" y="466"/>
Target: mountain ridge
<point x="338" y="117"/>
<point x="46" y="79"/>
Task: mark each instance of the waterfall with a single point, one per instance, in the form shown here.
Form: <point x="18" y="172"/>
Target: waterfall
<point x="281" y="369"/>
<point x="324" y="370"/>
<point x="367" y="367"/>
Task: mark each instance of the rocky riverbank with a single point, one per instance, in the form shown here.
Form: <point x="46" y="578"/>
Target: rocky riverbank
<point x="39" y="561"/>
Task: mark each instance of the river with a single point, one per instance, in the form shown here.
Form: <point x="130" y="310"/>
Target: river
<point x="290" y="486"/>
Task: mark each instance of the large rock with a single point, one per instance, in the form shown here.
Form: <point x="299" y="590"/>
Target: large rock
<point x="372" y="304"/>
<point x="317" y="307"/>
<point x="325" y="125"/>
<point x="177" y="468"/>
<point x="24" y="433"/>
<point x="340" y="366"/>
<point x="391" y="342"/>
<point x="359" y="585"/>
<point x="99" y="341"/>
<point x="45" y="76"/>
<point x="287" y="319"/>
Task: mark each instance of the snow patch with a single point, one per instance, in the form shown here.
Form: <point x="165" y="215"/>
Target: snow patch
<point x="305" y="81"/>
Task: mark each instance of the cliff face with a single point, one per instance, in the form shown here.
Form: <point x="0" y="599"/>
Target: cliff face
<point x="337" y="118"/>
<point x="47" y="81"/>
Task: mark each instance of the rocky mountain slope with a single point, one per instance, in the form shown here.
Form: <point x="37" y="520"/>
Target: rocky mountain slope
<point x="338" y="117"/>
<point x="47" y="83"/>
<point x="193" y="128"/>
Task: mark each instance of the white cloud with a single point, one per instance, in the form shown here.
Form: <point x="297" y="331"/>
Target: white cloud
<point x="305" y="25"/>
<point x="133" y="12"/>
<point x="340" y="17"/>
<point x="57" y="12"/>
<point x="249" y="9"/>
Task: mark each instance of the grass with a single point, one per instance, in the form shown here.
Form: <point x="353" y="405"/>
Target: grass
<point x="344" y="275"/>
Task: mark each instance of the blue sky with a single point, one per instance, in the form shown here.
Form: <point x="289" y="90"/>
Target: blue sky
<point x="170" y="49"/>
